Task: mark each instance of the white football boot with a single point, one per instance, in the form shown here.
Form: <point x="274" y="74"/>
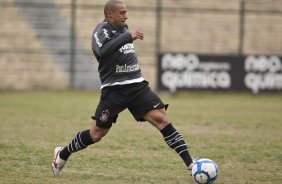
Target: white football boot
<point x="191" y="166"/>
<point x="58" y="163"/>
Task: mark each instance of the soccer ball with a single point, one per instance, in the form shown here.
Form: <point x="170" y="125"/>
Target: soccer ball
<point x="204" y="171"/>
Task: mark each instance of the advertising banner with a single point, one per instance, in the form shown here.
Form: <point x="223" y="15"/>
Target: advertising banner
<point x="179" y="72"/>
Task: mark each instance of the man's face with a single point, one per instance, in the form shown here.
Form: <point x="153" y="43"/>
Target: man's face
<point x="118" y="16"/>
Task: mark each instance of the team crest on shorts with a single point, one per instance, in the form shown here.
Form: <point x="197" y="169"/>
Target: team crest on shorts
<point x="105" y="116"/>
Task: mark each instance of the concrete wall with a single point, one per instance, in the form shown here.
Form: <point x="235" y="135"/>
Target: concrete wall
<point x="190" y="26"/>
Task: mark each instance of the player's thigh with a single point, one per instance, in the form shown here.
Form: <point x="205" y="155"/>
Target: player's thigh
<point x="110" y="105"/>
<point x="144" y="100"/>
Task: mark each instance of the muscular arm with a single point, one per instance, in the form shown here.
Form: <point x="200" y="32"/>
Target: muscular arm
<point x="103" y="44"/>
<point x="114" y="44"/>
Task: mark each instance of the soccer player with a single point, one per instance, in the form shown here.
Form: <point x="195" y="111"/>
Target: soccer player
<point x="123" y="87"/>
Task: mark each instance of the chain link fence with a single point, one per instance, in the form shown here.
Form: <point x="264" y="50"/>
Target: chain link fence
<point x="47" y="44"/>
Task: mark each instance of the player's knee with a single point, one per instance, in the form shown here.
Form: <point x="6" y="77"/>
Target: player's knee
<point x="160" y="119"/>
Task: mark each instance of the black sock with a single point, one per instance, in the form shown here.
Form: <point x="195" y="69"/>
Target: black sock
<point x="80" y="141"/>
<point x="175" y="141"/>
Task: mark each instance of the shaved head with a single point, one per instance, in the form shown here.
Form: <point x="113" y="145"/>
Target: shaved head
<point x="115" y="13"/>
<point x="111" y="5"/>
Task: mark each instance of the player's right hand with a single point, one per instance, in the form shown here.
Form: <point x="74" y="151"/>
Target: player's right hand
<point x="137" y="34"/>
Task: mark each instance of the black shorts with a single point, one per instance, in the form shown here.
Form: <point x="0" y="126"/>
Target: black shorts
<point x="138" y="98"/>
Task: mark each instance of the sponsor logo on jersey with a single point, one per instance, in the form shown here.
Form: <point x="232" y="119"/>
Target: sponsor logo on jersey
<point x="97" y="40"/>
<point x="127" y="48"/>
<point x="127" y="68"/>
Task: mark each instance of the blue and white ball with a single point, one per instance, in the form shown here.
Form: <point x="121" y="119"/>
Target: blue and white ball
<point x="204" y="171"/>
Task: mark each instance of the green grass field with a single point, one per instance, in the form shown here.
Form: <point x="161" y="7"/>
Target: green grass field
<point x="242" y="133"/>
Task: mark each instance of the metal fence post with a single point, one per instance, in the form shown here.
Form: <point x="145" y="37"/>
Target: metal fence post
<point x="158" y="26"/>
<point x="241" y="28"/>
<point x="72" y="44"/>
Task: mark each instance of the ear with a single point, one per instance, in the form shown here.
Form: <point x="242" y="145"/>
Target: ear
<point x="109" y="14"/>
